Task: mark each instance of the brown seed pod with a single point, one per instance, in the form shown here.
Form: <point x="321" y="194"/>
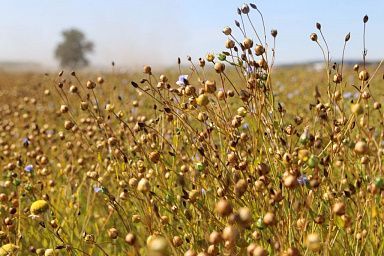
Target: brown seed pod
<point x="293" y="251"/>
<point x="290" y="181"/>
<point x="227" y="31"/>
<point x="259" y="50"/>
<point x="245" y="216"/>
<point x="190" y="90"/>
<point x="363" y="75"/>
<point x="223" y="208"/>
<point x="230" y="233"/>
<point x="269" y="219"/>
<point x="229" y="44"/>
<point x="84" y="105"/>
<point x="154" y="156"/>
<point x="259" y="251"/>
<point x="113" y="233"/>
<point x="241" y="187"/>
<point x="91" y="84"/>
<point x="313" y="37"/>
<point x="130" y="239"/>
<point x="219" y="67"/>
<point x="73" y="89"/>
<point x="376" y="105"/>
<point x="215" y="237"/>
<point x="100" y="80"/>
<point x="247" y="43"/>
<point x="361" y="147"/>
<point x="177" y="241"/>
<point x="68" y="125"/>
<point x="337" y="78"/>
<point x="210" y="86"/>
<point x="64" y="109"/>
<point x="143" y="185"/>
<point x="338" y="208"/>
<point x="147" y="70"/>
<point x="245" y="9"/>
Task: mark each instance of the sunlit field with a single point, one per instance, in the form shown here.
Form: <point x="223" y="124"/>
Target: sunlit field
<point x="227" y="154"/>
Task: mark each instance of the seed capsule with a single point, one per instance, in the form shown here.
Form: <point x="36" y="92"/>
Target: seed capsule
<point x="361" y="147"/>
<point x="247" y="43"/>
<point x="223" y="208"/>
<point x="313" y="37"/>
<point x="219" y="67"/>
<point x="363" y="75"/>
<point x="313" y="242"/>
<point x="202" y="100"/>
<point x="91" y="84"/>
<point x="259" y="50"/>
<point x="227" y="31"/>
<point x="338" y="208"/>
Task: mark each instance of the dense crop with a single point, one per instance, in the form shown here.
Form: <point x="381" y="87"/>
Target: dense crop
<point x="228" y="157"/>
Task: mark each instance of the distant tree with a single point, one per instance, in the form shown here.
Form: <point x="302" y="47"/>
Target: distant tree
<point x="71" y="52"/>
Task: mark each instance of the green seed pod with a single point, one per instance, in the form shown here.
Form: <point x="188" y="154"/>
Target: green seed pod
<point x="221" y="57"/>
<point x="379" y="182"/>
<point x="200" y="167"/>
<point x="304" y="137"/>
<point x="260" y="223"/>
<point x="313" y="161"/>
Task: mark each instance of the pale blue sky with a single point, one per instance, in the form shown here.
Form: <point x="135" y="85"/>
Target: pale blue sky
<point x="156" y="32"/>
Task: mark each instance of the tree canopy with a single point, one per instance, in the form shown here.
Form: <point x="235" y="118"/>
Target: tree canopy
<point x="72" y="51"/>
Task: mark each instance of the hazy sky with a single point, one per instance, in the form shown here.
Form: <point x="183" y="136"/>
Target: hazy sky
<point x="158" y="31"/>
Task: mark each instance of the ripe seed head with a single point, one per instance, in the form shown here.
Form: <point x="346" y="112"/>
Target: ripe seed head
<point x="210" y="86"/>
<point x="245" y="9"/>
<point x="363" y="75"/>
<point x="73" y="89"/>
<point x="219" y="67"/>
<point x="227" y="31"/>
<point x="361" y="147"/>
<point x="338" y="208"/>
<point x="247" y="43"/>
<point x="259" y="50"/>
<point x="143" y="185"/>
<point x="313" y="37"/>
<point x="269" y="219"/>
<point x="91" y="85"/>
<point x="147" y="70"/>
<point x="223" y="208"/>
<point x="113" y="233"/>
<point x="229" y="44"/>
<point x="100" y="80"/>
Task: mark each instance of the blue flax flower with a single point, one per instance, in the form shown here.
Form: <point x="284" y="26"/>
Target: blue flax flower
<point x="183" y="80"/>
<point x="28" y="168"/>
